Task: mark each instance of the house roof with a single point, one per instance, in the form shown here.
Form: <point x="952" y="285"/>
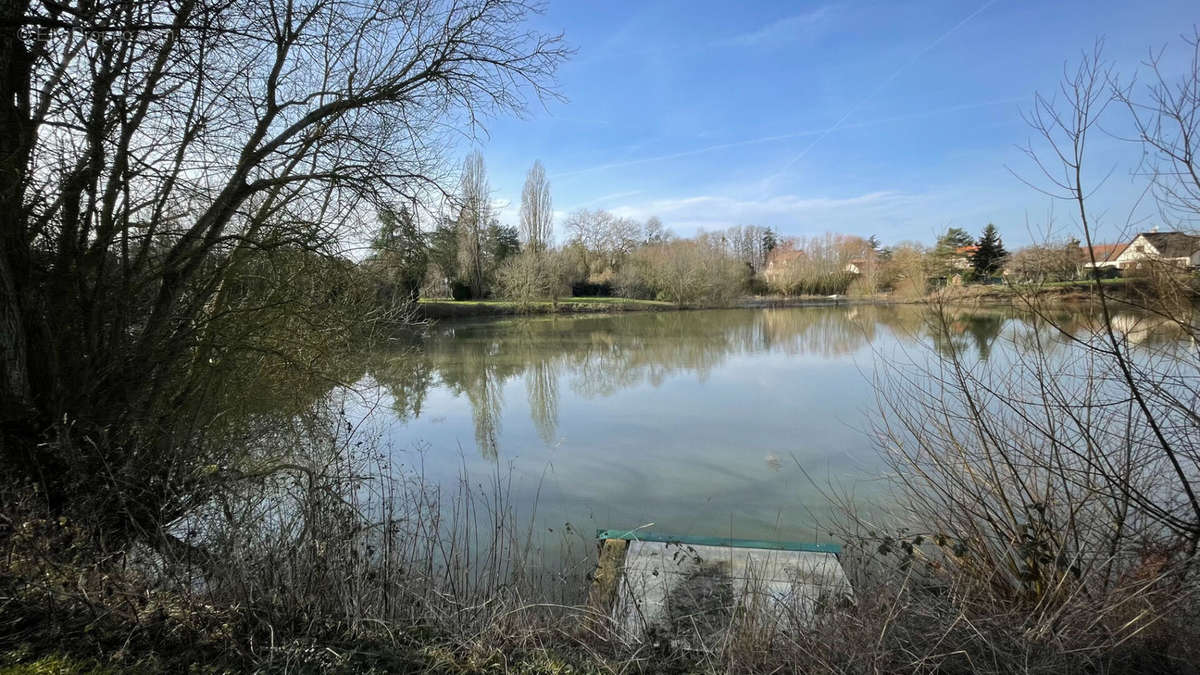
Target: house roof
<point x="1104" y="252"/>
<point x="966" y="250"/>
<point x="784" y="255"/>
<point x="1173" y="244"/>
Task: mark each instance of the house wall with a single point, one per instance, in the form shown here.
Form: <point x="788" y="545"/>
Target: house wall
<point x="1138" y="249"/>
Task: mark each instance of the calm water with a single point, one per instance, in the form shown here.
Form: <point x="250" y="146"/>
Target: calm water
<point x="699" y="422"/>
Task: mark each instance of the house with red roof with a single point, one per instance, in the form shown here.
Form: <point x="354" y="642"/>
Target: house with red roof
<point x="1105" y="255"/>
<point x="1174" y="248"/>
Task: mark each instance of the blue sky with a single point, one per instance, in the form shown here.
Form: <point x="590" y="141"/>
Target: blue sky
<point x="890" y="118"/>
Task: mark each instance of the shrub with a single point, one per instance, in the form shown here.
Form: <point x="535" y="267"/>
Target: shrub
<point x="690" y="272"/>
<point x="591" y="289"/>
<point x="460" y="291"/>
<point x="532" y="275"/>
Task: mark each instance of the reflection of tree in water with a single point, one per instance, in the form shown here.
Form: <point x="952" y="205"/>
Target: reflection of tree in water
<point x="957" y="332"/>
<point x="605" y="354"/>
<point x="487" y="398"/>
<point x="617" y="355"/>
<point x="477" y="367"/>
<point x="406" y="375"/>
<point x="954" y="333"/>
<point x="541" y="386"/>
<point x="824" y="331"/>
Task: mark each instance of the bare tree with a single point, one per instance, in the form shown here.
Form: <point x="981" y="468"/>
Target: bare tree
<point x="690" y="272"/>
<point x="1050" y="261"/>
<point x="1065" y="130"/>
<point x="906" y="272"/>
<point x="604" y="239"/>
<point x="1167" y="120"/>
<point x="748" y="243"/>
<point x="527" y="275"/>
<point x="656" y="232"/>
<point x="537" y="212"/>
<point x="474" y="215"/>
<point x="151" y="149"/>
<point x="1053" y="490"/>
<point x="821" y="266"/>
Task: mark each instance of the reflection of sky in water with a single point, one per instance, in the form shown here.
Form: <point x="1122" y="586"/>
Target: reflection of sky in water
<point x="695" y="421"/>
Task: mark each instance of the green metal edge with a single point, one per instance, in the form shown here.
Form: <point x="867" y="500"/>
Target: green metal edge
<point x="636" y="535"/>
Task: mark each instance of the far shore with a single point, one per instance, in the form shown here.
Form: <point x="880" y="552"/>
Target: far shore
<point x="994" y="294"/>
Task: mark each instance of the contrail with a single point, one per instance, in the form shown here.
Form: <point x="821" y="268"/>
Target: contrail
<point x="879" y="87"/>
<point x="684" y="153"/>
<point x="604" y="198"/>
<point x="785" y="137"/>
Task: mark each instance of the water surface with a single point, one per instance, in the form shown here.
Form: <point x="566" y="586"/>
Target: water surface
<point x="704" y="422"/>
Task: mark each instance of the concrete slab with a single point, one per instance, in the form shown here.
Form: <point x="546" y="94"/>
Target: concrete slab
<point x="690" y="594"/>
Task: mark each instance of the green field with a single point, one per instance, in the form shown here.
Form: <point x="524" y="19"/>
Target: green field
<point x="441" y="308"/>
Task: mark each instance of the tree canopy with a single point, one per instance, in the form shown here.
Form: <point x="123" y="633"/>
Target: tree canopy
<point x="153" y="154"/>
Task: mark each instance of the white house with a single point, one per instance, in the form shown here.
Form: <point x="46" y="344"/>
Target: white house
<point x="1176" y="248"/>
<point x="856" y="266"/>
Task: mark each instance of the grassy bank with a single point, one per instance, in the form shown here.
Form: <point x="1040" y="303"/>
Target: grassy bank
<point x="442" y="308"/>
<point x="1059" y="291"/>
<point x="976" y="294"/>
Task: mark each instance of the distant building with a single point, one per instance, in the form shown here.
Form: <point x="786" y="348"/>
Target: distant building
<point x="961" y="260"/>
<point x="1104" y="254"/>
<point x="1175" y="248"/>
<point x="778" y="262"/>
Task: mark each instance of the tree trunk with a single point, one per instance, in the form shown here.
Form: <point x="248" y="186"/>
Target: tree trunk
<point x="16" y="141"/>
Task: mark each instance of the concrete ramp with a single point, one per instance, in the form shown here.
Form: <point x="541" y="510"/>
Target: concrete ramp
<point x="691" y="591"/>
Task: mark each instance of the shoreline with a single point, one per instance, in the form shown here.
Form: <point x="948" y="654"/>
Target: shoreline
<point x="995" y="295"/>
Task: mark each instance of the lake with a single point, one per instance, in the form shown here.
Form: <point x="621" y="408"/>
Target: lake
<point x="712" y="422"/>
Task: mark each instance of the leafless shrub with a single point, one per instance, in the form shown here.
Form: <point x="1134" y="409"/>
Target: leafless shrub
<point x="326" y="544"/>
<point x="695" y="272"/>
<point x="1046" y="516"/>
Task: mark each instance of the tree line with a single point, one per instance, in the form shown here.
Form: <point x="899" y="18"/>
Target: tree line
<point x="469" y="254"/>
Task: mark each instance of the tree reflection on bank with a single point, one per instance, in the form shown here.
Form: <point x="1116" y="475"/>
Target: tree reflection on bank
<point x="601" y="356"/>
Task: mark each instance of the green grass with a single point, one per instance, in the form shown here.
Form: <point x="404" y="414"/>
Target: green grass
<point x="54" y="664"/>
<point x="1031" y="287"/>
<point x="1082" y="283"/>
<point x="547" y="303"/>
<point x="617" y="301"/>
<point x="442" y="308"/>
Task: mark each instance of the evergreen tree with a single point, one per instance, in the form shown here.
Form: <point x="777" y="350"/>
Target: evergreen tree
<point x="501" y="242"/>
<point x="400" y="255"/>
<point x="989" y="258"/>
<point x="769" y="241"/>
<point x="946" y="260"/>
<point x="954" y="239"/>
<point x="443" y="248"/>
